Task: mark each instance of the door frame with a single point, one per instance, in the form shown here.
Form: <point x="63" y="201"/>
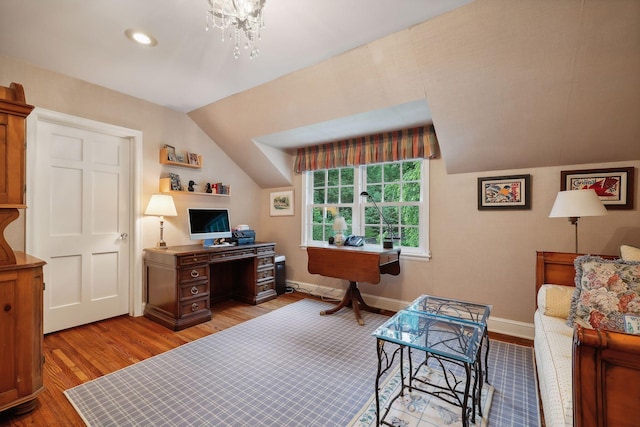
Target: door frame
<point x="135" y="169"/>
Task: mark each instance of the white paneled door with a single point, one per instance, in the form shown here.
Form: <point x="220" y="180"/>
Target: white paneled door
<point x="81" y="223"/>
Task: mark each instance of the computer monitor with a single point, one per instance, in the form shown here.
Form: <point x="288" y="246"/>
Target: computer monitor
<point x="209" y="224"/>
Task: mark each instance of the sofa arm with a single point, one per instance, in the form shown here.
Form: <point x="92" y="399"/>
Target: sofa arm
<point x="606" y="378"/>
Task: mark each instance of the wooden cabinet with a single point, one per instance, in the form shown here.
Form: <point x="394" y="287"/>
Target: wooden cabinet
<point x="183" y="281"/>
<point x="21" y="288"/>
<point x="21" y="282"/>
<point x="13" y="111"/>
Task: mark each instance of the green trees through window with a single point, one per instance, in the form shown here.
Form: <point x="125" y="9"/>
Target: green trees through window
<point x="396" y="188"/>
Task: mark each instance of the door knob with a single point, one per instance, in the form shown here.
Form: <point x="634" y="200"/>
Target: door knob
<point x="124" y="236"/>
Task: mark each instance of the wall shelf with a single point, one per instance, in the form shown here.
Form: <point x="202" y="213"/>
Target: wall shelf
<point x="165" y="187"/>
<point x="164" y="160"/>
<point x="194" y="193"/>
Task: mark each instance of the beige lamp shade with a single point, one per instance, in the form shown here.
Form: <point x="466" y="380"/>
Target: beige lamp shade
<point x="577" y="203"/>
<point x="339" y="224"/>
<point x="161" y="205"/>
<point x="574" y="204"/>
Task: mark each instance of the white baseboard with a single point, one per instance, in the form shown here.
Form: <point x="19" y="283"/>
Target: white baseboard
<point x="499" y="325"/>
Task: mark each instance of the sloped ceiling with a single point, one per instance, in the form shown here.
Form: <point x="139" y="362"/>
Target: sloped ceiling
<point x="507" y="85"/>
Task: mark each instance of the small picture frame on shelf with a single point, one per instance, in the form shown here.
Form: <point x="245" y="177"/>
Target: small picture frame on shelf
<point x="171" y="152"/>
<point x="194" y="159"/>
<point x="180" y="158"/>
<point x="175" y="182"/>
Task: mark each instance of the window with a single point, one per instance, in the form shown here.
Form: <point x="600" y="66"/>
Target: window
<point x="399" y="190"/>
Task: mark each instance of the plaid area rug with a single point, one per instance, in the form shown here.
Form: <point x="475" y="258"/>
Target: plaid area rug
<point x="289" y="367"/>
<point x="417" y="409"/>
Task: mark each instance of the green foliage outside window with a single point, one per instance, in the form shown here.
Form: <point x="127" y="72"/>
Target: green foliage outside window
<point x="395" y="187"/>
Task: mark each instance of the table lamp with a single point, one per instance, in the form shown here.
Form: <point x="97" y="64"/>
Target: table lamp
<point x="161" y="205"/>
<point x="574" y="204"/>
<point x="339" y="226"/>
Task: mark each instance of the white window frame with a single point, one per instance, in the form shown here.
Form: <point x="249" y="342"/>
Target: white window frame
<point x="421" y="252"/>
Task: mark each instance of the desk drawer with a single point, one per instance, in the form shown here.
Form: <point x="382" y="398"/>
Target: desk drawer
<point x="227" y="255"/>
<point x="265" y="274"/>
<point x="193" y="273"/>
<point x="194" y="289"/>
<point x="265" y="261"/>
<point x="266" y="250"/>
<point x="265" y="286"/>
<point x="188" y="308"/>
<point x="192" y="259"/>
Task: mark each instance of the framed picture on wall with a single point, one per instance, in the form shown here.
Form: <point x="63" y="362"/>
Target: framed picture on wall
<point x="504" y="192"/>
<point x="281" y="203"/>
<point x="614" y="186"/>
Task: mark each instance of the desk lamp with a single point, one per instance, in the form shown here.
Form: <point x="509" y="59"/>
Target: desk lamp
<point x="161" y="205"/>
<point x="387" y="242"/>
<point x="576" y="203"/>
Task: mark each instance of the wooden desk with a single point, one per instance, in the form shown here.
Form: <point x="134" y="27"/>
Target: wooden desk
<point x="355" y="264"/>
<point x="183" y="281"/>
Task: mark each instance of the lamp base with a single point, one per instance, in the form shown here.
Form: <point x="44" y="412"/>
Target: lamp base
<point x="162" y="245"/>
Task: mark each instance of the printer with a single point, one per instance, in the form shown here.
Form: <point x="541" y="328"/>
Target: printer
<point x="244" y="237"/>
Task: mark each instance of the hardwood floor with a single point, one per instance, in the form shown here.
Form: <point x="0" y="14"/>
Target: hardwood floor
<point x="77" y="355"/>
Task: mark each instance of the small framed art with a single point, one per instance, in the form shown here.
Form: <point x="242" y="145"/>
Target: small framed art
<point x="175" y="182"/>
<point x="614" y="186"/>
<point x="194" y="159"/>
<point x="171" y="152"/>
<point x="281" y="203"/>
<point x="504" y="192"/>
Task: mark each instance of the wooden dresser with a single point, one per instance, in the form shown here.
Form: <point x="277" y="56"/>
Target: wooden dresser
<point x="183" y="281"/>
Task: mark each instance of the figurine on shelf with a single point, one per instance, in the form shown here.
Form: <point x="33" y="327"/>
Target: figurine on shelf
<point x="208" y="188"/>
<point x="191" y="185"/>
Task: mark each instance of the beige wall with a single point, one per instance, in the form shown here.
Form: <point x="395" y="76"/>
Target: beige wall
<point x="56" y="92"/>
<point x="484" y="256"/>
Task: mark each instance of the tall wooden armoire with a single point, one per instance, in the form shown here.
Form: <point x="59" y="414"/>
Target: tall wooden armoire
<point x="21" y="279"/>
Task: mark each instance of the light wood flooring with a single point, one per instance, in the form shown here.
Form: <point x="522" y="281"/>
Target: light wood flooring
<point x="77" y="355"/>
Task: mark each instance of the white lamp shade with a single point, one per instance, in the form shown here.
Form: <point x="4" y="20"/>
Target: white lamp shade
<point x="339" y="224"/>
<point x="161" y="205"/>
<point x="577" y="203"/>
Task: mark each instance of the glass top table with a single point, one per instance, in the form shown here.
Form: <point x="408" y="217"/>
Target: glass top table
<point x="448" y="337"/>
<point x="457" y="309"/>
<point x="445" y="339"/>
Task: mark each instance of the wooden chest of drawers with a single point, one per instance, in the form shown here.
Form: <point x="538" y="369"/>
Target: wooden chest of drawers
<point x="183" y="281"/>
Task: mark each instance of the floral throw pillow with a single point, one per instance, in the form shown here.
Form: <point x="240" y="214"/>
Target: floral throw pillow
<point x="606" y="290"/>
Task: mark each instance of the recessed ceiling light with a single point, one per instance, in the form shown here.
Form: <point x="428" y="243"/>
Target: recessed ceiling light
<point x="140" y="37"/>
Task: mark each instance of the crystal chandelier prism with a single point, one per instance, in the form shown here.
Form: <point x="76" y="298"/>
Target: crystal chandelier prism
<point x="239" y="16"/>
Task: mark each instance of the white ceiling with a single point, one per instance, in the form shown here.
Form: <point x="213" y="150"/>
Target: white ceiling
<point x="190" y="67"/>
<point x="507" y="84"/>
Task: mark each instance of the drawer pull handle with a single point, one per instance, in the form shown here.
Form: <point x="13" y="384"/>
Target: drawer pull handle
<point x="194" y="291"/>
<point x="194" y="307"/>
<point x="194" y="273"/>
<point x="7" y="307"/>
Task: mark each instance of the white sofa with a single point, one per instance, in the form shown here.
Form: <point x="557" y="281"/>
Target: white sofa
<point x="587" y="377"/>
<point x="553" y="346"/>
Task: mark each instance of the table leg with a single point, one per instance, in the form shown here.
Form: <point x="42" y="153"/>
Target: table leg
<point x="352" y="297"/>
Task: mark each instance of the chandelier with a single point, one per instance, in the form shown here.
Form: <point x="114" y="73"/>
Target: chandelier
<point x="244" y="16"/>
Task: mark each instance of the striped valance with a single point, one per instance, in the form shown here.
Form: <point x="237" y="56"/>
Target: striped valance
<point x="420" y="142"/>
